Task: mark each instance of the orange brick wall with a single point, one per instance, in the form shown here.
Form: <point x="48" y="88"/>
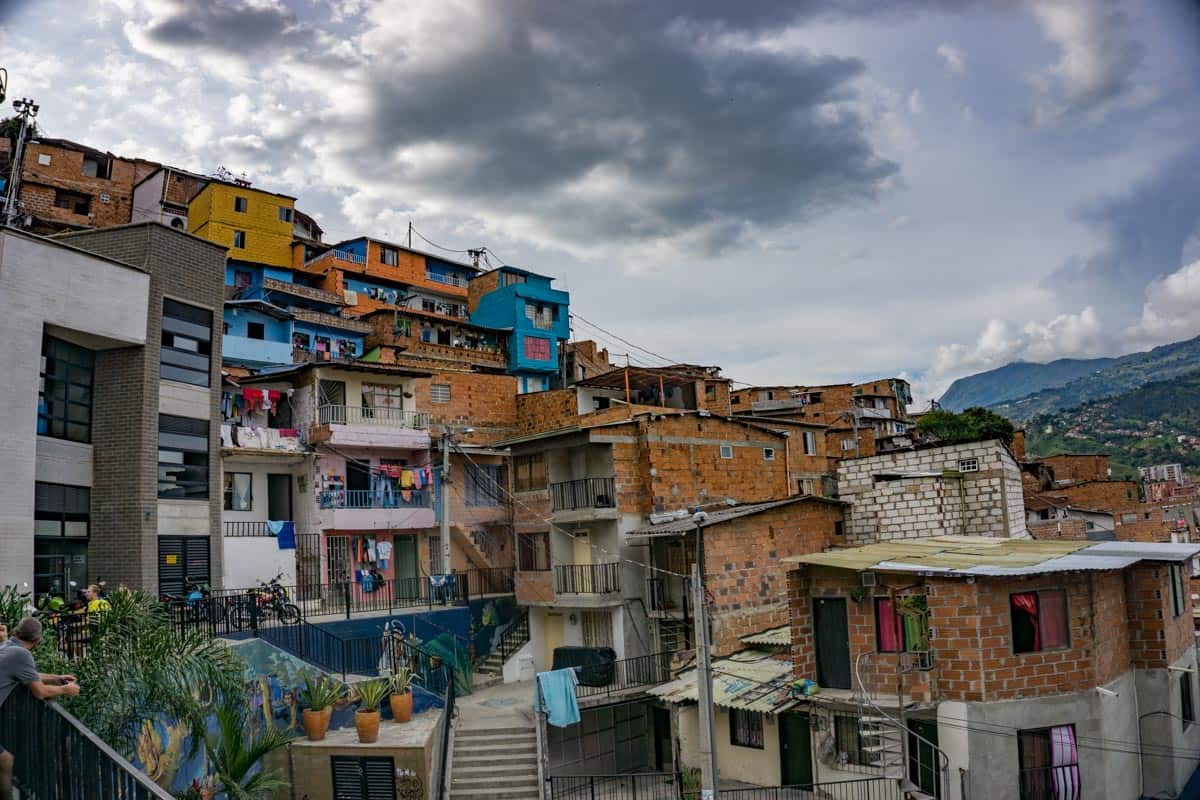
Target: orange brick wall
<point x="538" y="412"/>
<point x="1100" y="495"/>
<point x="1018" y="445"/>
<point x="1078" y="468"/>
<point x="1073" y="528"/>
<point x="478" y="287"/>
<point x="65" y="171"/>
<point x="483" y="401"/>
<point x="1156" y="638"/>
<point x="742" y="569"/>
<point x="1112" y="651"/>
<point x="535" y="587"/>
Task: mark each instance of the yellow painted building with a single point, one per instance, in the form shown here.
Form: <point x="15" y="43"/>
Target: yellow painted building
<point x="255" y="225"/>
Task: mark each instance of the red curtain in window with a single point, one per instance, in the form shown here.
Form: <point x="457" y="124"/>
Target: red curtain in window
<point x="1052" y="619"/>
<point x="885" y="625"/>
<point x="1027" y="602"/>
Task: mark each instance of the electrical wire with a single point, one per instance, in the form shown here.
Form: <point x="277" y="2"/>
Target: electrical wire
<point x="435" y="244"/>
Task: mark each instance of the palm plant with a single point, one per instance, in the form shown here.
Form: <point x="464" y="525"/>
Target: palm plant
<point x="371" y="693"/>
<point x="401" y="681"/>
<point x="320" y="692"/>
<point x="235" y="750"/>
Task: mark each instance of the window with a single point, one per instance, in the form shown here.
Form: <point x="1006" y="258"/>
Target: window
<point x="186" y="343"/>
<point x="596" y="628"/>
<point x="848" y="742"/>
<point x="807" y="486"/>
<point x="726" y="451"/>
<point x="810" y="443"/>
<point x="65" y="391"/>
<point x="537" y="348"/>
<point x="243" y="279"/>
<point x="511" y="279"/>
<point x="746" y="728"/>
<point x="1039" y="621"/>
<point x="768" y="454"/>
<point x="839" y="528"/>
<point x="529" y="473"/>
<point x="902" y="630"/>
<point x="182" y="458"/>
<point x="239" y="239"/>
<point x="97" y="167"/>
<point x="439" y="393"/>
<point x="75" y="202"/>
<point x="238" y="494"/>
<point x="61" y="511"/>
<point x="255" y="330"/>
<point x="1048" y="761"/>
<point x="239" y="204"/>
<point x="363" y="777"/>
<point x="1177" y="590"/>
<point x="1186" y="710"/>
<point x="710" y="392"/>
<point x="483" y="484"/>
<point x="390" y="256"/>
<point x="533" y="552"/>
<point x="285" y="214"/>
<point x="968" y="465"/>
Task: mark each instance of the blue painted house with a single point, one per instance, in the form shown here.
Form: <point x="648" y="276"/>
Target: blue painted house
<point x="535" y="317"/>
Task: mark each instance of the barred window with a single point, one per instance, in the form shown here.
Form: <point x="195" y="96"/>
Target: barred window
<point x="439" y="393"/>
<point x="483" y="484"/>
<point x="746" y="728"/>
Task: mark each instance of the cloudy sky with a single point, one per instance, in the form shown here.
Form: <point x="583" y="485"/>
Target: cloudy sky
<point x="799" y="190"/>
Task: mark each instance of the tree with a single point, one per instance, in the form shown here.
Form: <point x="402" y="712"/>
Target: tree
<point x="972" y="425"/>
<point x="10" y="128"/>
<point x="235" y="750"/>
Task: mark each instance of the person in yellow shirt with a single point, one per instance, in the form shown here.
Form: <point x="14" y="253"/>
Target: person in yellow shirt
<point x="96" y="603"/>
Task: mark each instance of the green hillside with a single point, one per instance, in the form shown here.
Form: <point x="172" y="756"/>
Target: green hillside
<point x="1016" y="380"/>
<point x="1137" y="428"/>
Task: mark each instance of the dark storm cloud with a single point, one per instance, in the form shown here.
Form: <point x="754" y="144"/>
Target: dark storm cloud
<point x="1145" y="231"/>
<point x="231" y="25"/>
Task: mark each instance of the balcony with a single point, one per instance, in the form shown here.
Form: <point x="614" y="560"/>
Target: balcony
<point x="337" y="255"/>
<point x="255" y="352"/>
<point x="330" y="320"/>
<point x="573" y="585"/>
<point x="299" y="290"/>
<point x="582" y="499"/>
<point x="587" y="578"/>
<point x="367" y="509"/>
<point x="363" y="426"/>
<point x="246" y="529"/>
<point x="448" y="280"/>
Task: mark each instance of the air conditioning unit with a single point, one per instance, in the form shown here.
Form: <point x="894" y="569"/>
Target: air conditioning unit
<point x="868" y="579"/>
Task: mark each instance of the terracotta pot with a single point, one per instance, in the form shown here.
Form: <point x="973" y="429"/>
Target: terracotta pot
<point x="367" y="725"/>
<point x="316" y="723"/>
<point x="401" y="706"/>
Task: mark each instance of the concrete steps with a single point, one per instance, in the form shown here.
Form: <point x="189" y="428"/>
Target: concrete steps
<point x="494" y="761"/>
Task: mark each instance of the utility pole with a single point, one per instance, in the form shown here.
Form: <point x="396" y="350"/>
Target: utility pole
<point x="708" y="751"/>
<point x="27" y="110"/>
<point x="410" y="234"/>
<point x="445" y="502"/>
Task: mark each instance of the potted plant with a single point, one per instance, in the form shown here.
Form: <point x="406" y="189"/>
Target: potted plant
<point x="319" y="695"/>
<point x="366" y="719"/>
<point x="401" y="699"/>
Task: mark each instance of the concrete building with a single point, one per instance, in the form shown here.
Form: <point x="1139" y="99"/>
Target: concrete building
<point x="163" y="196"/>
<point x="965" y="489"/>
<point x="111" y="409"/>
<point x="254" y="226"/>
<point x="535" y="316"/>
<point x="1025" y="669"/>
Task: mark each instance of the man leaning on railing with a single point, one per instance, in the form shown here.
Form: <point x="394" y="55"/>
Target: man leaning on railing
<point x="17" y="669"/>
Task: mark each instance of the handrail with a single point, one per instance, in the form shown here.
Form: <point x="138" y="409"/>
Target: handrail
<point x="583" y="493"/>
<point x="601" y="578"/>
<point x="651" y="669"/>
<point x="868" y="695"/>
<point x="330" y="414"/>
<point x="515" y="635"/>
<point x="376" y="498"/>
<point x="446" y="727"/>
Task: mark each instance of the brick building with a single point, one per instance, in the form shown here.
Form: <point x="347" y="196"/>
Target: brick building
<point x="969" y="489"/>
<point x="582" y="486"/>
<point x="1088" y="644"/>
<point x="163" y="196"/>
<point x="1070" y="468"/>
<point x="68" y="186"/>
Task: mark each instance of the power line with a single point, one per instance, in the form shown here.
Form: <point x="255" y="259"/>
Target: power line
<point x="435" y="244"/>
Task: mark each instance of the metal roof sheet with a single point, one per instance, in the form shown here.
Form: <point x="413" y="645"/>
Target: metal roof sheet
<point x="686" y="525"/>
<point x="772" y="637"/>
<point x="977" y="555"/>
<point x="751" y="680"/>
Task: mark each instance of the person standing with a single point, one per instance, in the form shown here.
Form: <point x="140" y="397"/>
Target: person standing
<point x="18" y="669"/>
<point x="95" y="600"/>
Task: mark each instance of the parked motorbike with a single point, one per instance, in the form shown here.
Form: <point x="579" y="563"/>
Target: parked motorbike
<point x="270" y="597"/>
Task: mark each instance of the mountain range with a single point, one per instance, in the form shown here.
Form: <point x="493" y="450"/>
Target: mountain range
<point x="1022" y="391"/>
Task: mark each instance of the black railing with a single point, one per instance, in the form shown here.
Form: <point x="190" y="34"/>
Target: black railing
<point x="245" y="528"/>
<point x="860" y="789"/>
<point x="629" y="673"/>
<point x="442" y="755"/>
<point x="515" y="635"/>
<point x="495" y="580"/>
<point x="56" y="757"/>
<point x="587" y="578"/>
<point x="670" y="594"/>
<point x="583" y="493"/>
<point x="636" y="786"/>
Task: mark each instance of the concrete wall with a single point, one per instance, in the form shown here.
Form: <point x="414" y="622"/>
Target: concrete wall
<point x="63" y="461"/>
<point x="935" y="498"/>
<point x="43" y="283"/>
<point x="745" y="764"/>
<point x="1163" y="730"/>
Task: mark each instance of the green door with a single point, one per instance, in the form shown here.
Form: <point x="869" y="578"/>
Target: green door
<point x="795" y="750"/>
<point x="408" y="580"/>
<point x="923" y="767"/>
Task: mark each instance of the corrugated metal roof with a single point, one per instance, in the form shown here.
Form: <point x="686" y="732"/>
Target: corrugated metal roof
<point x="977" y="555"/>
<point x="686" y="525"/>
<point x="751" y="680"/>
<point x="772" y="637"/>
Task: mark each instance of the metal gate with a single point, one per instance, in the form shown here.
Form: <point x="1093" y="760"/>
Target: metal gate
<point x="308" y="561"/>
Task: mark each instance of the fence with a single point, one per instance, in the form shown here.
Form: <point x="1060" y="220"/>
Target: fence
<point x="860" y="789"/>
<point x="515" y="635"/>
<point x="630" y="673"/>
<point x="58" y="758"/>
<point x="587" y="578"/>
<point x="245" y="528"/>
<point x="494" y="580"/>
<point x="377" y="498"/>
<point x="367" y="415"/>
<point x="636" y="786"/>
<point x="582" y="493"/>
<point x="442" y="754"/>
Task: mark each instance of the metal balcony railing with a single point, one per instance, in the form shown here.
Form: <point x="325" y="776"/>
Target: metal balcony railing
<point x="449" y="280"/>
<point x="587" y="578"/>
<point x="364" y="415"/>
<point x="375" y="498"/>
<point x="670" y="593"/>
<point x="246" y="528"/>
<point x="583" y="493"/>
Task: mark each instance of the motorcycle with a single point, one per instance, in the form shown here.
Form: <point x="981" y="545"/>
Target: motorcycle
<point x="268" y="597"/>
<point x="198" y="604"/>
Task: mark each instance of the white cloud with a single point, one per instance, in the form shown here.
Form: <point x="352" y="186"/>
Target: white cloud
<point x="916" y="103"/>
<point x="1172" y="308"/>
<point x="956" y="60"/>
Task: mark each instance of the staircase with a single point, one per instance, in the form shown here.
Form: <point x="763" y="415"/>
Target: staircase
<point x="883" y="735"/>
<point x="490" y="671"/>
<point x="494" y="757"/>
